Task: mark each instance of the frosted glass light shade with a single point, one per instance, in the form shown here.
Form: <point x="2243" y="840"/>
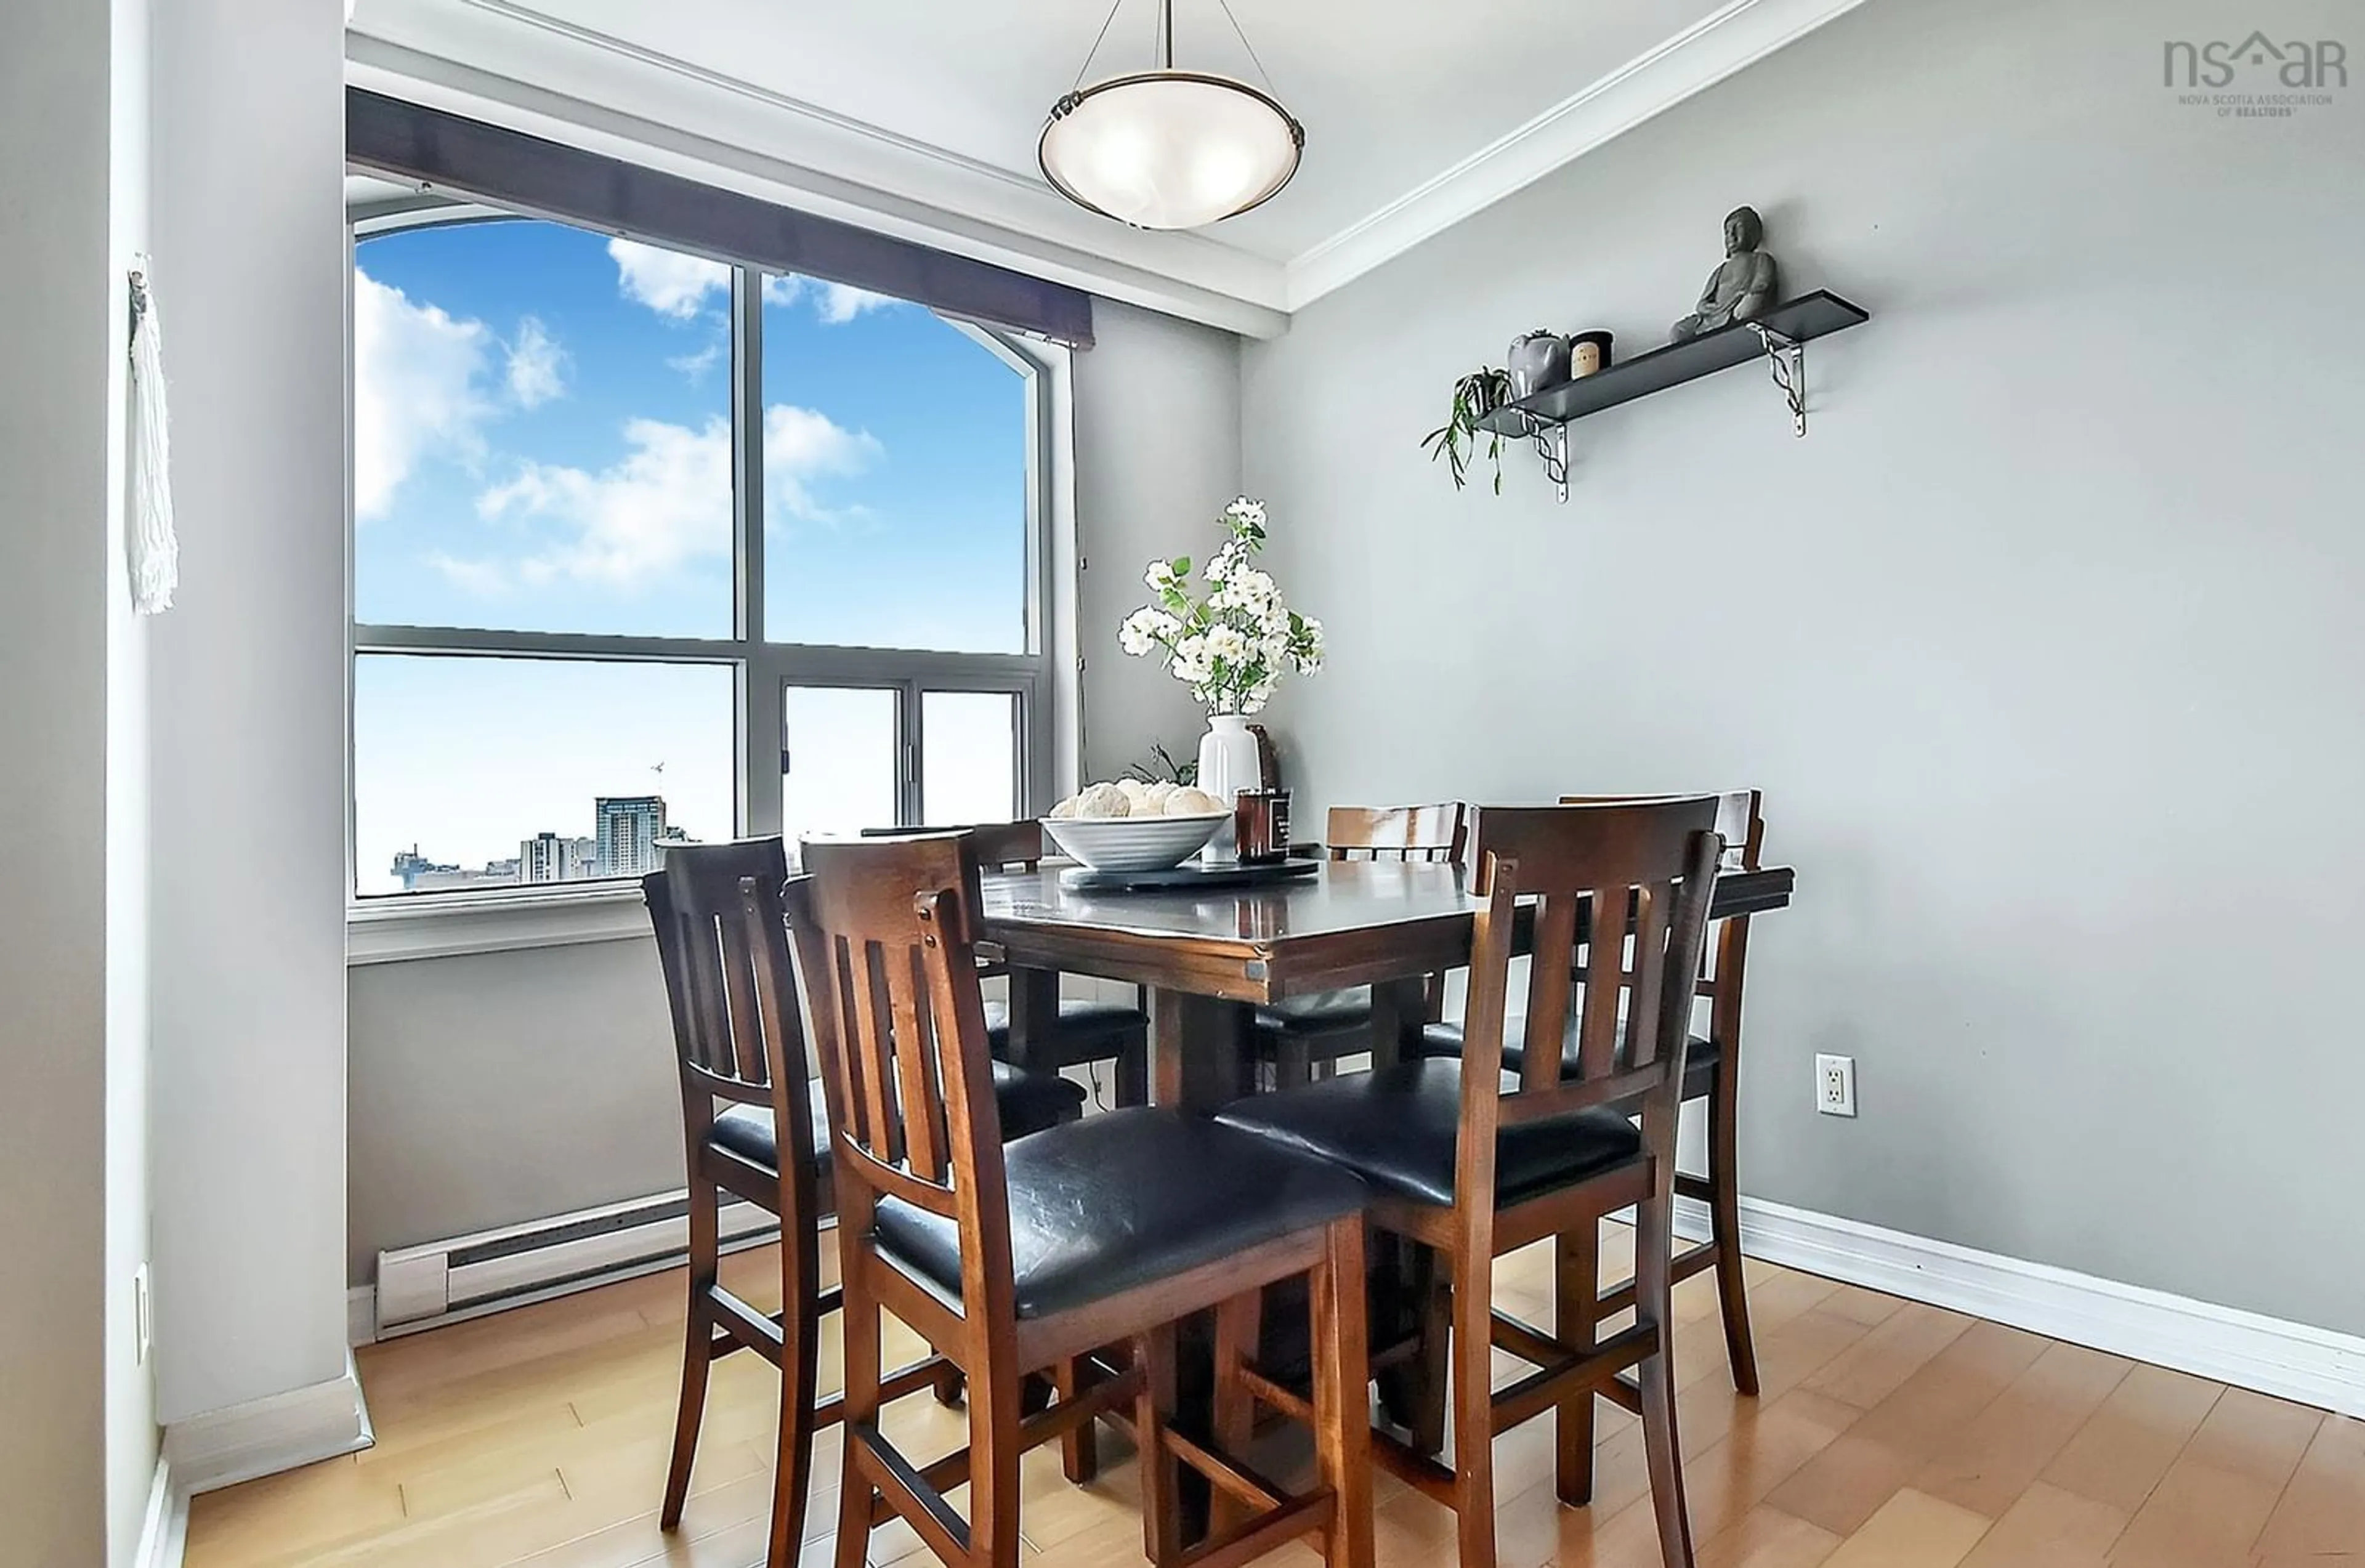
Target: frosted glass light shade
<point x="1169" y="148"/>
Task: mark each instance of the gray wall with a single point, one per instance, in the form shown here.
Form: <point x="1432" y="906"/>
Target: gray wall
<point x="2043" y="644"/>
<point x="1157" y="455"/>
<point x="248" y="963"/>
<point x="496" y="1088"/>
<point x="54" y="109"/>
<point x="131" y="1436"/>
<point x="500" y="1087"/>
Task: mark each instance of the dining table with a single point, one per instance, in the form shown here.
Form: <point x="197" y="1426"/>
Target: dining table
<point x="1210" y="956"/>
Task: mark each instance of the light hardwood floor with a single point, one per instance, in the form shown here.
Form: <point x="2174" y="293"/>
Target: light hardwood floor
<point x="1889" y="1435"/>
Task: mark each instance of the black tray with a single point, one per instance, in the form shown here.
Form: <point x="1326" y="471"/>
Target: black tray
<point x="1190" y="876"/>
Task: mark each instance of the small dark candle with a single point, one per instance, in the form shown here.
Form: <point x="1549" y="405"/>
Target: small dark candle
<point x="1260" y="822"/>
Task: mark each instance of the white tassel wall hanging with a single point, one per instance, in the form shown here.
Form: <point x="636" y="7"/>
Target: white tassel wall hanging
<point x="155" y="551"/>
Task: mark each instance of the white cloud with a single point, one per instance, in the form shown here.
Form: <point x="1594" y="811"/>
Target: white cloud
<point x="666" y="282"/>
<point x="537" y="365"/>
<point x="694" y="366"/>
<point x="417" y="377"/>
<point x="664" y="504"/>
<point x="486" y="580"/>
<point x="801" y="445"/>
<point x="835" y="303"/>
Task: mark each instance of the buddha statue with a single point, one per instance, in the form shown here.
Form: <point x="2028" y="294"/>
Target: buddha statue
<point x="1740" y="290"/>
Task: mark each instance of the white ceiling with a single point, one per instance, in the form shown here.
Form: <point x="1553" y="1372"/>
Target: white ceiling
<point x="1416" y="111"/>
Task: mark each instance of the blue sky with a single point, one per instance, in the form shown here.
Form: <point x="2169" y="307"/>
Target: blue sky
<point x="541" y="443"/>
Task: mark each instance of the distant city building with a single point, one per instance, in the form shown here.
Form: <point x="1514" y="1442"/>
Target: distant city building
<point x="452" y="879"/>
<point x="547" y="857"/>
<point x="409" y="865"/>
<point x="627" y="829"/>
<point x="630" y="839"/>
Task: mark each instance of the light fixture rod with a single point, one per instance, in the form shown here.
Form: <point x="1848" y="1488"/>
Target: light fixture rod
<point x="1166" y="32"/>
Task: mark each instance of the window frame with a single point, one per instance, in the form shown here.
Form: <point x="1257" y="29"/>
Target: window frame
<point x="388" y="928"/>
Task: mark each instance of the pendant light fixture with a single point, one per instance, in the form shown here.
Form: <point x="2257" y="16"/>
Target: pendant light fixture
<point x="1169" y="148"/>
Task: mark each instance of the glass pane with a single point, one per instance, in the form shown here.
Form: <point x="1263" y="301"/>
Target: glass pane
<point x="838" y="773"/>
<point x="474" y="773"/>
<point x="895" y="475"/>
<point x="542" y="433"/>
<point x="969" y="758"/>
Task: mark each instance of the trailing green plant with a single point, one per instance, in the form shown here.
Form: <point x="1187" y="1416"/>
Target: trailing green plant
<point x="1164" y="768"/>
<point x="1476" y="396"/>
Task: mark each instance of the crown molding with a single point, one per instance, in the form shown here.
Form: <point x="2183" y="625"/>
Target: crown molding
<point x="504" y="62"/>
<point x="1718" y="45"/>
<point x="515" y="63"/>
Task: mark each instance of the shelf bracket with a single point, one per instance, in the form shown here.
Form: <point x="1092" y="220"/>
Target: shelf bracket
<point x="1786" y="362"/>
<point x="1552" y="445"/>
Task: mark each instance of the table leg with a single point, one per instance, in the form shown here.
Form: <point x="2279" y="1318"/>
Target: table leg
<point x="1034" y="1011"/>
<point x="1196" y="1045"/>
<point x="1399" y="1008"/>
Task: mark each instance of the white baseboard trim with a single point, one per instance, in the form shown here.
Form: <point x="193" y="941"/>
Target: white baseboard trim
<point x="360" y="1316"/>
<point x="264" y="1437"/>
<point x="165" y="1530"/>
<point x="2289" y="1361"/>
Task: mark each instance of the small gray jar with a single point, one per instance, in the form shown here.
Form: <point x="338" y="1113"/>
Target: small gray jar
<point x="1538" y="360"/>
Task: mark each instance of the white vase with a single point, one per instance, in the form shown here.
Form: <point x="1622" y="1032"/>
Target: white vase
<point x="1229" y="763"/>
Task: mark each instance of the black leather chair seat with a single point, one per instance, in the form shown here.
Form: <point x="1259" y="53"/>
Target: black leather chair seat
<point x="1324" y="1012"/>
<point x="1079" y="1021"/>
<point x="1699" y="1059"/>
<point x="1030" y="1102"/>
<point x="1398" y="1128"/>
<point x="1123" y="1199"/>
<point x="747" y="1131"/>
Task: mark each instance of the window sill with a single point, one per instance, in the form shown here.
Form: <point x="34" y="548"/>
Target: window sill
<point x="394" y="932"/>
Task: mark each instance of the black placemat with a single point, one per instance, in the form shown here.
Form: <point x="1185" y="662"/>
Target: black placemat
<point x="1191" y="876"/>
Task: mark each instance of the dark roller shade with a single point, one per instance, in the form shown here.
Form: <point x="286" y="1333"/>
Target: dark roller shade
<point x="405" y="141"/>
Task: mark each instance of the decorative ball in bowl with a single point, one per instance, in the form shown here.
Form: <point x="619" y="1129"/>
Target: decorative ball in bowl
<point x="1133" y="827"/>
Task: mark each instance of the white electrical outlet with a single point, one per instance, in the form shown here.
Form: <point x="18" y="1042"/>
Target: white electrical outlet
<point x="1835" y="1085"/>
<point x="143" y="1315"/>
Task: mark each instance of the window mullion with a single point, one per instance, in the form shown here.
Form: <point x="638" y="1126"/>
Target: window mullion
<point x="908" y="765"/>
<point x="747" y="450"/>
<point x="760" y="738"/>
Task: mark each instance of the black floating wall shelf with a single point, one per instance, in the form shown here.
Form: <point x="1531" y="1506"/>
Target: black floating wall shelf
<point x="1779" y="337"/>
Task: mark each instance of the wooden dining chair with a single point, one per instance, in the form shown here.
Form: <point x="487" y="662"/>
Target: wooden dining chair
<point x="1307" y="1035"/>
<point x="1079" y="1032"/>
<point x="1712" y="1073"/>
<point x="1076" y="1031"/>
<point x="717" y="911"/>
<point x="1472" y="1162"/>
<point x="1014" y="1261"/>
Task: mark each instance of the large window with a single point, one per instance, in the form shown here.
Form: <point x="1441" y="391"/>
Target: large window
<point x="647" y="547"/>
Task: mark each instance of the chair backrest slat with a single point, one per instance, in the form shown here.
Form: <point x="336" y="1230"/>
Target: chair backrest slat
<point x="1604" y="960"/>
<point x="1547" y="993"/>
<point x="720" y="916"/>
<point x="1396" y="832"/>
<point x="904" y="1049"/>
<point x="717" y="913"/>
<point x="1741" y="823"/>
<point x="1608" y="880"/>
<point x="996" y="846"/>
<point x="1433" y="833"/>
<point x="921" y="1097"/>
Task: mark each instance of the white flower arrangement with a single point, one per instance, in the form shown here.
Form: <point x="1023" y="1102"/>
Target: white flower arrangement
<point x="1232" y="645"/>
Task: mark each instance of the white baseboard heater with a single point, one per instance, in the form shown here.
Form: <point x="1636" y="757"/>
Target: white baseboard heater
<point x="469" y="1276"/>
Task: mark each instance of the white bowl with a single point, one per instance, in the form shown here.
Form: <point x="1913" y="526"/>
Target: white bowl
<point x="1134" y="843"/>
